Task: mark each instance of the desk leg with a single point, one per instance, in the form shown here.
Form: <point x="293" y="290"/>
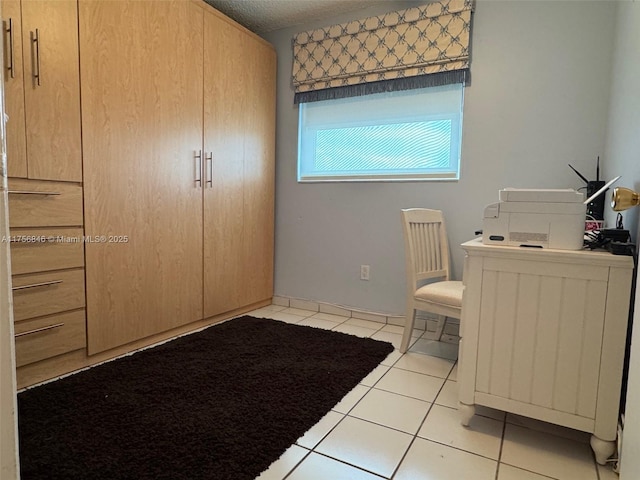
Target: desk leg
<point x="602" y="449"/>
<point x="466" y="413"/>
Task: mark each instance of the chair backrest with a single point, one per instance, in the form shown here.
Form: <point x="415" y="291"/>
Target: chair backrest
<point x="426" y="245"/>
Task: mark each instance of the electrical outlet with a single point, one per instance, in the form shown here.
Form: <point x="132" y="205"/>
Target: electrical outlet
<point x="364" y="272"/>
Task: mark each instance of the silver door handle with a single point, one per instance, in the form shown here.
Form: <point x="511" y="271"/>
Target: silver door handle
<point x="198" y="167"/>
<point x="35" y="55"/>
<point x="209" y="160"/>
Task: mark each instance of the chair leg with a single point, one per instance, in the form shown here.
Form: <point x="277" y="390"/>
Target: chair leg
<point x="408" y="330"/>
<point x="442" y="322"/>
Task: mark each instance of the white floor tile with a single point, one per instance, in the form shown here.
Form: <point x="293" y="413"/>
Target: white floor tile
<point x="411" y="384"/>
<point x="365" y="323"/>
<point x="371" y="447"/>
<point x="289" y="459"/>
<point x="285" y="317"/>
<point x="454" y="373"/>
<point x="541" y="426"/>
<point x="418" y="362"/>
<point x="392" y="358"/>
<point x="318" y="323"/>
<point x="448" y="396"/>
<point x="507" y="472"/>
<point x="298" y="311"/>
<point x="319" y="467"/>
<point x="354" y="330"/>
<point x="351" y="398"/>
<point x="263" y="312"/>
<point x="547" y="454"/>
<point x="377" y="373"/>
<point x="330" y="317"/>
<point x="319" y="430"/>
<point x="431" y="461"/>
<point x="482" y="436"/>
<point x="436" y="349"/>
<point x="391" y="410"/>
<point x="397" y="329"/>
<point x="392" y="338"/>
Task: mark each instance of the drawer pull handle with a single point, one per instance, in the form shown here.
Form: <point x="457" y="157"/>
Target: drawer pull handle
<point x="36" y="285"/>
<point x="37" y="241"/>
<point x="31" y="192"/>
<point x="37" y="330"/>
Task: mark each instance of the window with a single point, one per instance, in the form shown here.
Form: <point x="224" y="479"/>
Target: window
<point x="404" y="135"/>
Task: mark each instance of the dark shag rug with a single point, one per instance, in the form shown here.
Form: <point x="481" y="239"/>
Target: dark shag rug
<point x="220" y="404"/>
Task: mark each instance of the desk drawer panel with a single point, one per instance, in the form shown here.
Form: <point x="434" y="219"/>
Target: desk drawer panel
<point x="47" y="337"/>
<point x="58" y="249"/>
<point x="42" y="294"/>
<point x="59" y="204"/>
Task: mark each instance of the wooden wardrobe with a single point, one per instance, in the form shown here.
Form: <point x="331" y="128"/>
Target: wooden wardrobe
<point x="178" y="146"/>
<point x="160" y="133"/>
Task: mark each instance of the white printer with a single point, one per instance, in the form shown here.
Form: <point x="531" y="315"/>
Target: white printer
<point x="536" y="218"/>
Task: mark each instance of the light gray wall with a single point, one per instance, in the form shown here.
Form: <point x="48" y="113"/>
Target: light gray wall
<point x="538" y="100"/>
<point x="623" y="133"/>
<point x="623" y="154"/>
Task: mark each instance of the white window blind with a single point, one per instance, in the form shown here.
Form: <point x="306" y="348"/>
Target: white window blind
<point x="402" y="135"/>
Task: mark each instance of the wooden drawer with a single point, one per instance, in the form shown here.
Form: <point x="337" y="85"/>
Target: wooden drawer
<point x="59" y="205"/>
<point x="47" y="337"/>
<point x="42" y="294"/>
<point x="62" y="248"/>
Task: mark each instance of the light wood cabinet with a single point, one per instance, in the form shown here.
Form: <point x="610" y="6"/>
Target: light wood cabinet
<point x="239" y="136"/>
<point x="543" y="335"/>
<point x="142" y="74"/>
<point x="47" y="263"/>
<point x="225" y="87"/>
<point x="179" y="157"/>
<point x="259" y="174"/>
<point x="16" y="136"/>
<point x="43" y="90"/>
<point x="174" y="215"/>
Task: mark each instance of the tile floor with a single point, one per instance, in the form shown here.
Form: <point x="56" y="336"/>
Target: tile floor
<point x="401" y="423"/>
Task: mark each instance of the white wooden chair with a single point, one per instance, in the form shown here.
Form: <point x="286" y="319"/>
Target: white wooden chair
<point x="427" y="258"/>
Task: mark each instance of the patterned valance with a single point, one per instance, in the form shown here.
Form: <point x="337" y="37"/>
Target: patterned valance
<point x="403" y="47"/>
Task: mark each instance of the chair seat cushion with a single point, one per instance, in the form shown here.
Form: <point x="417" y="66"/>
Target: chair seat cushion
<point x="447" y="293"/>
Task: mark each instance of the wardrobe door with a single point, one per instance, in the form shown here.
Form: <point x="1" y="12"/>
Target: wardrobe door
<point x="52" y="89"/>
<point x="14" y="88"/>
<point x="259" y="172"/>
<point x="225" y="130"/>
<point x="141" y="74"/>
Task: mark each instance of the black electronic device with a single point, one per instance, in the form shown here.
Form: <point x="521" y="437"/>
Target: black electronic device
<point x="595" y="208"/>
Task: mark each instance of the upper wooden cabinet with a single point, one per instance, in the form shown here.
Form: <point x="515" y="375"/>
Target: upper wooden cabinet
<point x="41" y="53"/>
<point x="14" y="88"/>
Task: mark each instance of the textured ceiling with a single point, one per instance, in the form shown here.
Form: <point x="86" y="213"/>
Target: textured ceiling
<point x="263" y="16"/>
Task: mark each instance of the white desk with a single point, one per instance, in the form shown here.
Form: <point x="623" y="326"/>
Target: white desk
<point x="543" y="335"/>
